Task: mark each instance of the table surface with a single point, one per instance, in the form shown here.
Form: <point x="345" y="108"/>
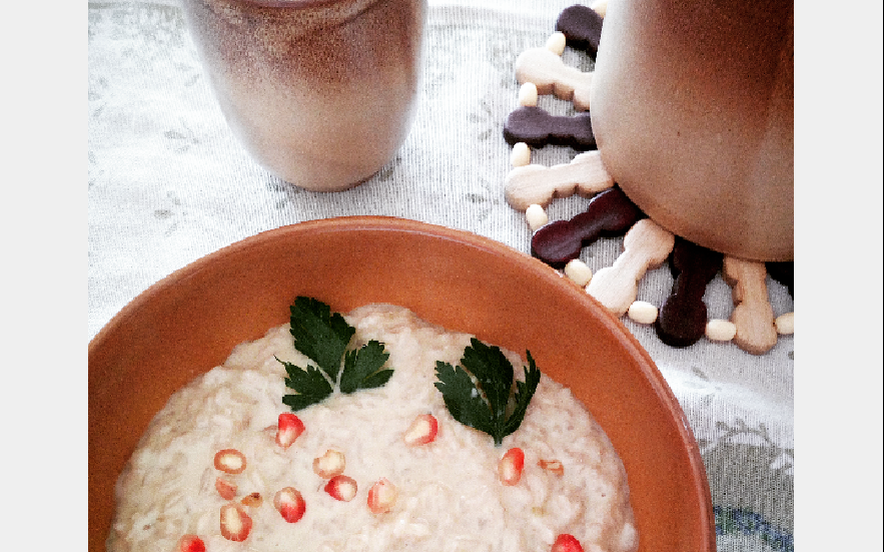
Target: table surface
<point x="168" y="183"/>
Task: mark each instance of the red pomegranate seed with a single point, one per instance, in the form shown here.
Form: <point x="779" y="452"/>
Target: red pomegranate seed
<point x="341" y="487"/>
<point x="235" y="522"/>
<point x="422" y="430"/>
<point x="330" y="464"/>
<point x="566" y="543"/>
<point x="289" y="428"/>
<point x="230" y="461"/>
<point x="225" y="488"/>
<point x="382" y="496"/>
<point x="191" y="543"/>
<point x="509" y="469"/>
<point x="290" y="504"/>
<point x="553" y="466"/>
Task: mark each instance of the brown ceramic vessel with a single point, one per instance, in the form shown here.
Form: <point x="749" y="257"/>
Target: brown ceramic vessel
<point x="320" y="92"/>
<point x="189" y="322"/>
<point x="692" y="109"/>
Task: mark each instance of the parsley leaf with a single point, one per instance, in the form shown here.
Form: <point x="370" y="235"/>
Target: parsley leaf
<point x="479" y="393"/>
<point x="324" y="337"/>
<point x="362" y="368"/>
<point x="319" y="335"/>
<point x="311" y="385"/>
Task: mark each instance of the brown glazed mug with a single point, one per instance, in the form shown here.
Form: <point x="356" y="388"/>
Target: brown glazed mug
<point x="692" y="109"/>
<point x="320" y="92"/>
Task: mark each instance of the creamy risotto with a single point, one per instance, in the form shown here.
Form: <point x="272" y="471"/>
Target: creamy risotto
<point x="445" y="495"/>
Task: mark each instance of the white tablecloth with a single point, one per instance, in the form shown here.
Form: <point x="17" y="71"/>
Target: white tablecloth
<point x="168" y="184"/>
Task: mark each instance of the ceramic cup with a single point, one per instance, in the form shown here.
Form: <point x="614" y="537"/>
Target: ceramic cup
<point x="320" y="92"/>
<point x="692" y="109"/>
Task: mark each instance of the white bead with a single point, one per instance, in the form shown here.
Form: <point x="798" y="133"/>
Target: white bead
<point x="521" y="155"/>
<point x="578" y="272"/>
<point x="556" y="43"/>
<point x="642" y="312"/>
<point x="720" y="330"/>
<point x="600" y="7"/>
<point x="528" y="94"/>
<point x="536" y="216"/>
<point x="785" y="323"/>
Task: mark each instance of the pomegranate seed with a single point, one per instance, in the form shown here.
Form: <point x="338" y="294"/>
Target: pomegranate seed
<point x="290" y="504"/>
<point x="382" y="496"/>
<point x="252" y="500"/>
<point x="191" y="543"/>
<point x="422" y="430"/>
<point x="330" y="464"/>
<point x="230" y="461"/>
<point x="225" y="488"/>
<point x="235" y="522"/>
<point x="289" y="428"/>
<point x="509" y="469"/>
<point x="341" y="487"/>
<point x="552" y="465"/>
<point x="566" y="543"/>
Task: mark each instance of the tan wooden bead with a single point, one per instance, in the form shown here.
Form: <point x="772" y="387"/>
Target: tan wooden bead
<point x="536" y="216"/>
<point x="600" y="7"/>
<point x="646" y="245"/>
<point x="752" y="312"/>
<point x="585" y="174"/>
<point x="549" y="73"/>
<point x="720" y="330"/>
<point x="642" y="312"/>
<point x="578" y="272"/>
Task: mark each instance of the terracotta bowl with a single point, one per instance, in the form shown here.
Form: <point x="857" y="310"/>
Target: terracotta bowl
<point x="189" y="322"/>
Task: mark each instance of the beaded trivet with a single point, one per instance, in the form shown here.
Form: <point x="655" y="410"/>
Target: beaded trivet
<point x="682" y="318"/>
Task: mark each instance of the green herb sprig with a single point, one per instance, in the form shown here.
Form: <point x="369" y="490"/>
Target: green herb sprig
<point x="479" y="393"/>
<point x="324" y="337"/>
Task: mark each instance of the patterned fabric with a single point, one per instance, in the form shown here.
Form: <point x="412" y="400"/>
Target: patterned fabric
<point x="168" y="184"/>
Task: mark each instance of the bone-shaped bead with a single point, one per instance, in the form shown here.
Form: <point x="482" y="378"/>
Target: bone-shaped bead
<point x="539" y="184"/>
<point x="609" y="213"/>
<point x="683" y="317"/>
<point x="645" y="246"/>
<point x="752" y="315"/>
<point x="550" y="75"/>
<point x="582" y="26"/>
<point x="537" y="128"/>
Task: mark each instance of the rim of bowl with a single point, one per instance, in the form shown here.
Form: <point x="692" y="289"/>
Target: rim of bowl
<point x="543" y="272"/>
